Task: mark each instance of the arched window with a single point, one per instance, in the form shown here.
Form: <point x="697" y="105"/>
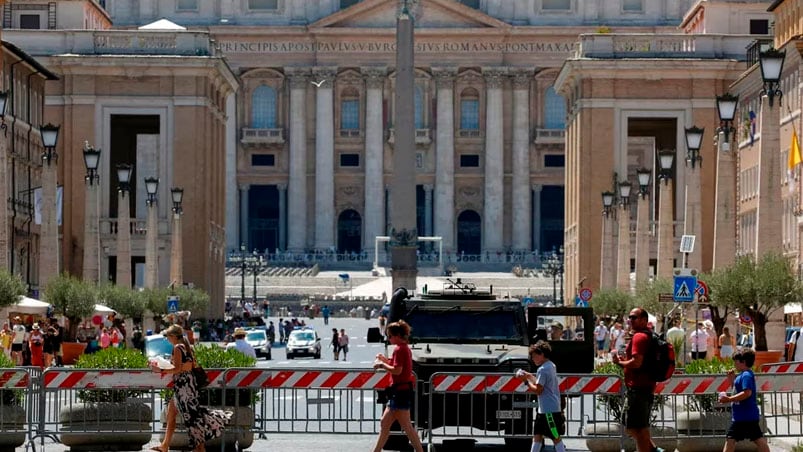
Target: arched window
<point x="263" y="108"/>
<point x="469" y="109"/>
<point x="554" y="110"/>
<point x="419" y="107"/>
<point x="350" y="109"/>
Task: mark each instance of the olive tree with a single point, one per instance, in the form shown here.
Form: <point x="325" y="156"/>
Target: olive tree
<point x="612" y="303"/>
<point x="128" y="302"/>
<point x="11" y="288"/>
<point x="72" y="298"/>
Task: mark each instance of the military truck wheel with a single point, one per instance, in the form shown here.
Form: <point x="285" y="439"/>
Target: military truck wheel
<point x="518" y="443"/>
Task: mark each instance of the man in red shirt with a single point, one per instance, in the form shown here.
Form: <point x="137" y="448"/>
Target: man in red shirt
<point x="640" y="385"/>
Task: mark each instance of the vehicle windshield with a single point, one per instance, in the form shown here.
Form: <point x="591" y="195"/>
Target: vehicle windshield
<point x="158" y="347"/>
<point x="304" y="336"/>
<point x="488" y="326"/>
<point x="255" y="336"/>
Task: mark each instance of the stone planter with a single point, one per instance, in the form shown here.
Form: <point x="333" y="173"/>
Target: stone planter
<point x="108" y="426"/>
<point x="239" y="431"/>
<point x="704" y="432"/>
<point x="12" y="428"/>
<point x="606" y="437"/>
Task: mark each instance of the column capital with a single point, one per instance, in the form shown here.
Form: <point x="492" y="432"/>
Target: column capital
<point x="298" y="77"/>
<point x="444" y="76"/>
<point x="537" y="187"/>
<point x="324" y="75"/>
<point x="521" y="78"/>
<point x="281" y="187"/>
<point x="494" y="76"/>
<point x="374" y="76"/>
<point x="428" y="187"/>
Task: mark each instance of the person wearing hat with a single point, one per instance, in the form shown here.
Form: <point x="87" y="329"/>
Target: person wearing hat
<point x="555" y="331"/>
<point x="18" y="329"/>
<point x="240" y="344"/>
<point x="36" y="346"/>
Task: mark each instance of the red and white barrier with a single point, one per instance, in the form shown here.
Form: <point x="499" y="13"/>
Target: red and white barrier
<point x="328" y="379"/>
<point x="116" y="379"/>
<point x="693" y="384"/>
<point x="783" y="368"/>
<point x="247" y="378"/>
<point x="569" y="384"/>
<point x="14" y="379"/>
<point x="596" y="384"/>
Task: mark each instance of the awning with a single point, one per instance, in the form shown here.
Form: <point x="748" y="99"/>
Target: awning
<point x="793" y="308"/>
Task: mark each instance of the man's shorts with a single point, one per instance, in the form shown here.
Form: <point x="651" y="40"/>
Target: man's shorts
<point x="601" y="345"/>
<point x="638" y="407"/>
<point x="16" y="347"/>
<point x="742" y="430"/>
<point x="542" y="426"/>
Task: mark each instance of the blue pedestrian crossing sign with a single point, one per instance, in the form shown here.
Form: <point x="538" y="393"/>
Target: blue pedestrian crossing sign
<point x="685" y="285"/>
<point x="172" y="304"/>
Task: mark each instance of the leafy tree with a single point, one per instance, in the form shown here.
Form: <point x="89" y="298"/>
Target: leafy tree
<point x="155" y="300"/>
<point x="757" y="288"/>
<point x="717" y="282"/>
<point x="193" y="300"/>
<point x="612" y="302"/>
<point x="125" y="301"/>
<point x="11" y="288"/>
<point x="72" y="298"/>
<point x="647" y="293"/>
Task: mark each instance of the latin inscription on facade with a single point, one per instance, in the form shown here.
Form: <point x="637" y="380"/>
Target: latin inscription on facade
<point x="390" y="47"/>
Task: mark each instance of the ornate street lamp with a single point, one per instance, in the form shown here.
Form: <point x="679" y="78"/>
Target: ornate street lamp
<point x="50" y="137"/>
<point x="666" y="159"/>
<point x="123" y="276"/>
<point x="91" y="268"/>
<point x="151" y="251"/>
<point x="177" y="252"/>
<point x="644" y="176"/>
<point x="91" y="160"/>
<point x="151" y="188"/>
<point x="607" y="202"/>
<point x="124" y="171"/>
<point x="771" y="62"/>
<point x="694" y="141"/>
<point x="726" y="109"/>
<point x="177" y="194"/>
<point x="625" y="188"/>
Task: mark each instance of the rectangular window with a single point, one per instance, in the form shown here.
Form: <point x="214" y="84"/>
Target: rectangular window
<point x="349" y="159"/>
<point x="263" y="4"/>
<point x="469" y="161"/>
<point x="186" y="5"/>
<point x="30" y="21"/>
<point x="635" y="6"/>
<point x="554" y="161"/>
<point x="346" y="3"/>
<point x="556" y="5"/>
<point x="471" y="3"/>
<point x="263" y="160"/>
<point x="759" y="27"/>
<point x="350" y="115"/>
<point x="470" y="114"/>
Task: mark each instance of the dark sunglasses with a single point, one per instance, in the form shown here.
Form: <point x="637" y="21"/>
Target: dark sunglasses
<point x="632" y="317"/>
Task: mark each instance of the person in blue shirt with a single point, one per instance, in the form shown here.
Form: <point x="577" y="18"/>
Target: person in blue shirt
<point x="325" y="313"/>
<point x="745" y="414"/>
<point x="545" y="384"/>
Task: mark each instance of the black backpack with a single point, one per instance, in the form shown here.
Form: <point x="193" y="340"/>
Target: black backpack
<point x="660" y="360"/>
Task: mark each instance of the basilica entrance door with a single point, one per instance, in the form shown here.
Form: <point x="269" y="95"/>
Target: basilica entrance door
<point x="349" y="232"/>
<point x="469" y="232"/>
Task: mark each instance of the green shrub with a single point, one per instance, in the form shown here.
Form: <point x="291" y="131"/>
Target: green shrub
<point x="706" y="402"/>
<point x="9" y="396"/>
<point x="111" y="358"/>
<point x="615" y="404"/>
<point x="215" y="357"/>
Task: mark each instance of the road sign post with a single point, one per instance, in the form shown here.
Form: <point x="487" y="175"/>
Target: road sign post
<point x="172" y="304"/>
<point x="685" y="285"/>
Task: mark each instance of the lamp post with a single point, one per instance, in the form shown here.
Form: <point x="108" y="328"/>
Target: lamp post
<point x="176" y="253"/>
<point x="607" y="278"/>
<point x="771" y="62"/>
<point x="623" y="260"/>
<point x="666" y="231"/>
<point x="255" y="261"/>
<point x="239" y="259"/>
<point x="692" y="221"/>
<point x="553" y="265"/>
<point x="49" y="233"/>
<point x="643" y="225"/>
<point x="725" y="205"/>
<point x="151" y="251"/>
<point x="91" y="269"/>
<point x="123" y="274"/>
<point x="5" y="261"/>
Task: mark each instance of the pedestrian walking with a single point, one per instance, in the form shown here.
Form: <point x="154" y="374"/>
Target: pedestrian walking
<point x="639" y="382"/>
<point x="402" y="389"/>
<point x="549" y="422"/>
<point x="343" y="342"/>
<point x="36" y="343"/>
<point x="336" y="343"/>
<point x="600" y="336"/>
<point x="325" y="313"/>
<point x="5" y="339"/>
<point x="19" y="333"/>
<point x="744" y="413"/>
<point x="699" y="342"/>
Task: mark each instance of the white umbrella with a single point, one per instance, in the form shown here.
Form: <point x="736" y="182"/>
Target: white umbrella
<point x="29" y="306"/>
<point x="102" y="309"/>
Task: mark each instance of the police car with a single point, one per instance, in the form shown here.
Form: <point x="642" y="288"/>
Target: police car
<point x="304" y="342"/>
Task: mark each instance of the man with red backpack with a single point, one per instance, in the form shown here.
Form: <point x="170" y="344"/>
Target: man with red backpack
<point x="639" y="380"/>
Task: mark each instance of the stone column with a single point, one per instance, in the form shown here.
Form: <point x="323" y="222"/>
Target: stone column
<point x="537" y="216"/>
<point x="5" y="246"/>
<point x="428" y="209"/>
<point x="493" y="203"/>
<point x="522" y="201"/>
<point x="607" y="275"/>
<point x="692" y="222"/>
<point x="324" y="160"/>
<point x="91" y="267"/>
<point x="623" y="256"/>
<point x="176" y="252"/>
<point x="151" y="248"/>
<point x="123" y="239"/>
<point x="770" y="208"/>
<point x="666" y="231"/>
<point x="230" y="182"/>
<point x="643" y="238"/>
<point x="297" y="185"/>
<point x="444" y="152"/>
<point x="49" y="231"/>
<point x="725" y="205"/>
<point x="244" y="239"/>
<point x="282" y="217"/>
<point x="374" y="211"/>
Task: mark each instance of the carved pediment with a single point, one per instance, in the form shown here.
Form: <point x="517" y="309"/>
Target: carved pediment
<point x="428" y="14"/>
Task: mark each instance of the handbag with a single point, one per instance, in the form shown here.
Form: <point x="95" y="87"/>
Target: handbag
<point x="201" y="379"/>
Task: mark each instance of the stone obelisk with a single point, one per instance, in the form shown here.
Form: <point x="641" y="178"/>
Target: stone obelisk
<point x="403" y="235"/>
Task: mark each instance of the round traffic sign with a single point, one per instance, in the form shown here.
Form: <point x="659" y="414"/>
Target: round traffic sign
<point x="586" y="294"/>
<point x="745" y="318"/>
<point x="702" y="288"/>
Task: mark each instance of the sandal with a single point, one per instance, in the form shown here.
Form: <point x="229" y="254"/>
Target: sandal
<point x="159" y="449"/>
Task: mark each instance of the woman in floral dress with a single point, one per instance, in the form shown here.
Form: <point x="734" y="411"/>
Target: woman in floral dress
<point x="202" y="423"/>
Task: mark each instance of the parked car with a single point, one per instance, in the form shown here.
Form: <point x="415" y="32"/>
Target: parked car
<point x="304" y="342"/>
<point x="158" y="345"/>
<point x="258" y="339"/>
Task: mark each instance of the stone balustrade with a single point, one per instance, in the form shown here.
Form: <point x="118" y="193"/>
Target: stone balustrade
<point x="635" y="45"/>
<point x="112" y="42"/>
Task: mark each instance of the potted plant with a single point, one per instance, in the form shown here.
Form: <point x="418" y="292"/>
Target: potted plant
<point x="605" y="436"/>
<point x="12" y="413"/>
<point x="239" y="431"/>
<point x="116" y="419"/>
<point x="75" y="300"/>
<point x="758" y="289"/>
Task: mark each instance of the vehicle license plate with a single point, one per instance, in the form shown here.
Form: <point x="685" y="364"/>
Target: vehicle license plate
<point x="508" y="414"/>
